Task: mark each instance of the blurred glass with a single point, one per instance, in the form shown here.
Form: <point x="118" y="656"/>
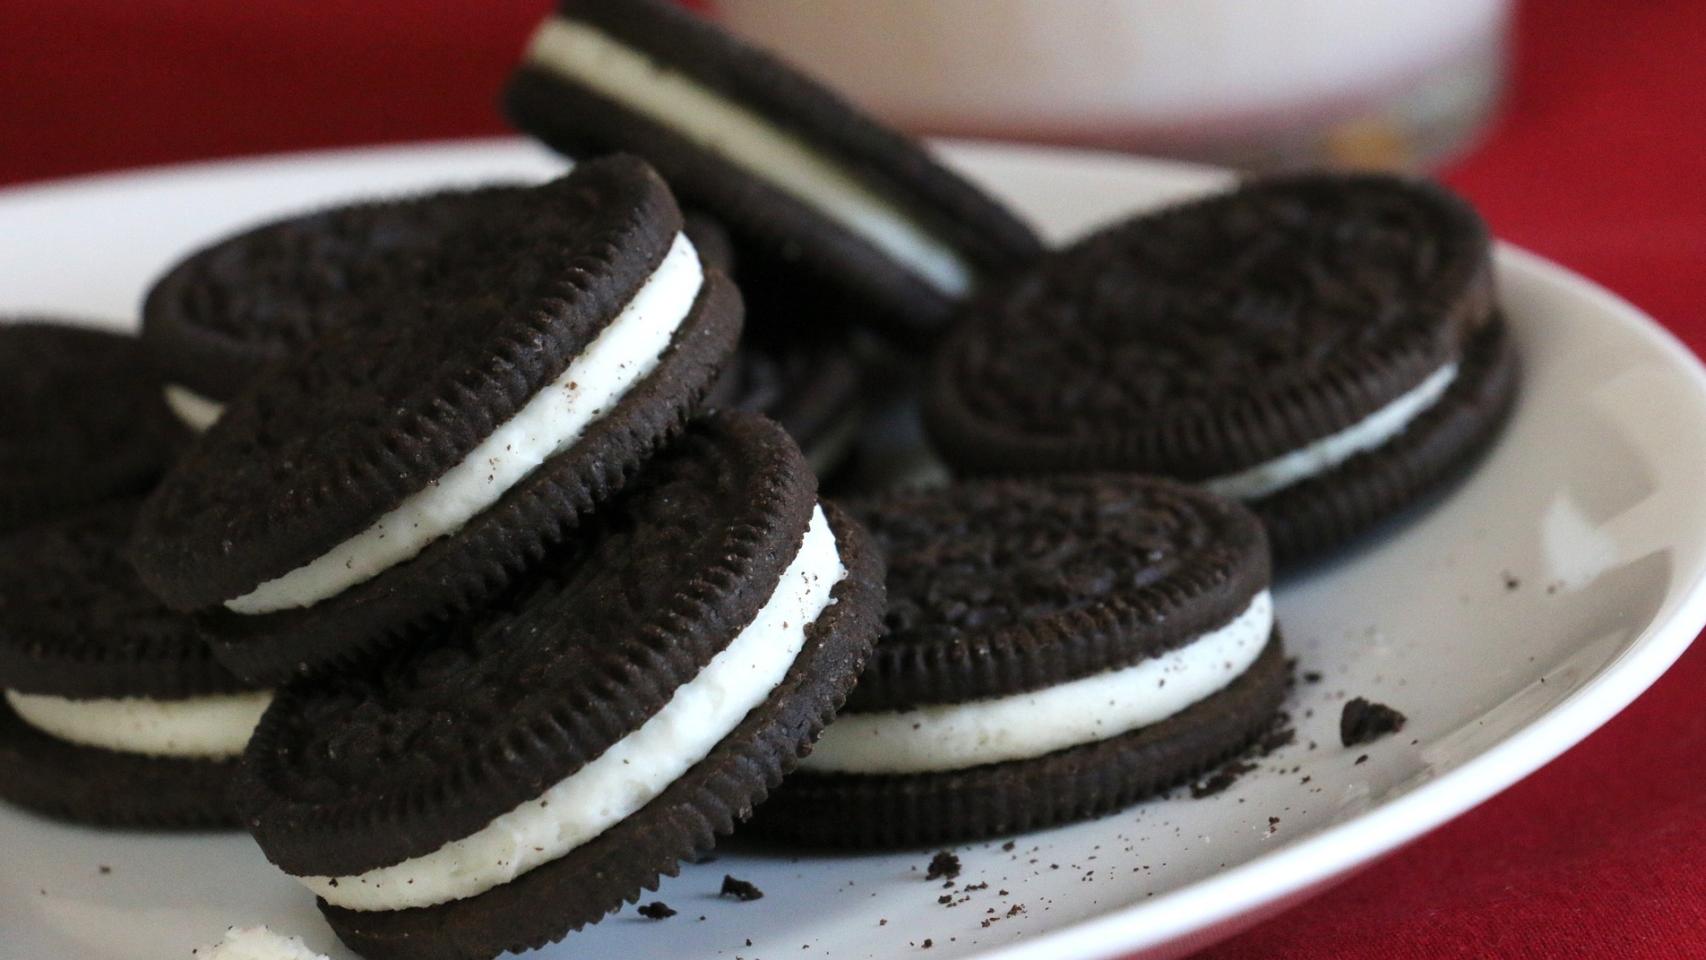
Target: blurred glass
<point x="1257" y="84"/>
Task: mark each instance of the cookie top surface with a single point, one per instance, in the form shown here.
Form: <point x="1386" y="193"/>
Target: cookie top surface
<point x="332" y="439"/>
<point x="218" y="317"/>
<point x="980" y="230"/>
<point x="82" y="419"/>
<point x="1217" y="334"/>
<point x="358" y="771"/>
<point x="76" y="622"/>
<point x="998" y="587"/>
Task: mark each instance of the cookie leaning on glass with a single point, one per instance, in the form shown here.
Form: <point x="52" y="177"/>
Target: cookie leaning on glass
<point x="802" y="178"/>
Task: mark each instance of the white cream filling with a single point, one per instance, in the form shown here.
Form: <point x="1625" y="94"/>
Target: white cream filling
<point x="192" y="409"/>
<point x="1330" y="451"/>
<point x="591" y="58"/>
<point x="198" y="727"/>
<point x="623" y="354"/>
<point x="1023" y="725"/>
<point x="256" y="943"/>
<point x="633" y="771"/>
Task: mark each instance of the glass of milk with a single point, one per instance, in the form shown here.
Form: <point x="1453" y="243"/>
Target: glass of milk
<point x="1252" y="83"/>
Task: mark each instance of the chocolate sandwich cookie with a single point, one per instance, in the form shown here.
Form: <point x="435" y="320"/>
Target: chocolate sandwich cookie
<point x="549" y="758"/>
<point x="1323" y="347"/>
<point x="114" y="711"/>
<point x="222" y="314"/>
<point x="397" y="471"/>
<point x="1053" y="650"/>
<point x="81" y="420"/>
<point x="790" y="167"/>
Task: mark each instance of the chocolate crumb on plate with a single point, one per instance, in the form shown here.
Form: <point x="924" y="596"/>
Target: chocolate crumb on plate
<point x="657" y="910"/>
<point x="943" y="865"/>
<point x="1363" y="721"/>
<point x="739" y="889"/>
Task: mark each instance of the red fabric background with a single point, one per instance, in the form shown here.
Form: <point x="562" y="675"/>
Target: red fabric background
<point x="1600" y="162"/>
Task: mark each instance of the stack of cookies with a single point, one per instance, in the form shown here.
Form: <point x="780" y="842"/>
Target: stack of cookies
<point x="467" y="549"/>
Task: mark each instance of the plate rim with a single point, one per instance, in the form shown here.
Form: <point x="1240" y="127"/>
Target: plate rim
<point x="1214" y="906"/>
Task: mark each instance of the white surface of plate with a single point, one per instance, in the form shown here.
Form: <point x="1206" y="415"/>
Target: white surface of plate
<point x="1508" y="618"/>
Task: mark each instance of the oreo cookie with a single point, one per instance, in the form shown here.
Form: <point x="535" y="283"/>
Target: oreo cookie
<point x="81" y="420"/>
<point x="795" y="172"/>
<point x="1053" y="650"/>
<point x="224" y="313"/>
<point x="397" y="471"/>
<point x="545" y="760"/>
<point x="114" y="711"/>
<point x="1324" y="347"/>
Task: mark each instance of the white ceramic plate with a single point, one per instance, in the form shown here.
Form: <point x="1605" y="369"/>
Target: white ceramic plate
<point x="1508" y="618"/>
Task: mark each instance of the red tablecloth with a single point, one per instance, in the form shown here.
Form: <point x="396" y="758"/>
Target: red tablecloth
<point x="1600" y="163"/>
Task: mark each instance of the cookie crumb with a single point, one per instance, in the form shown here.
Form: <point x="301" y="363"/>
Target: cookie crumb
<point x="656" y="910"/>
<point x="105" y="869"/>
<point x="1363" y="721"/>
<point x="943" y="864"/>
<point x="740" y="890"/>
<point x="1221" y="780"/>
<point x="1361" y="760"/>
